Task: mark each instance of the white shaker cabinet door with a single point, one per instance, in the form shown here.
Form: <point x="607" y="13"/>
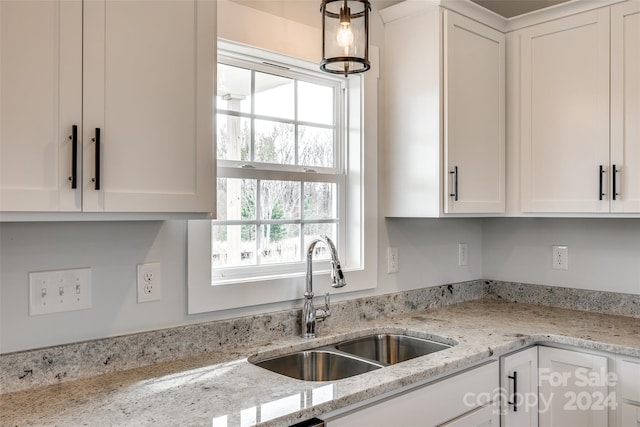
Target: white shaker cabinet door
<point x="630" y="415"/>
<point x="40" y="103"/>
<point x="519" y="382"/>
<point x="149" y="74"/>
<point x="572" y="388"/>
<point x="565" y="114"/>
<point x="625" y="107"/>
<point x="474" y="116"/>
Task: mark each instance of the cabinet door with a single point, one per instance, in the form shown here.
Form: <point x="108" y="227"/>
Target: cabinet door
<point x="474" y="116"/>
<point x="571" y="385"/>
<point x="149" y="73"/>
<point x="565" y="114"/>
<point x="630" y="415"/>
<point x="519" y="380"/>
<point x="41" y="101"/>
<point x="625" y="106"/>
<point x="629" y="378"/>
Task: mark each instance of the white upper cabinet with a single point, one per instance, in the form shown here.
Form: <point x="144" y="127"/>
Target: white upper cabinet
<point x="445" y="112"/>
<point x="625" y="107"/>
<point x="565" y="114"/>
<point x="580" y="113"/>
<point x="137" y="78"/>
<point x="474" y="116"/>
<point x="40" y="103"/>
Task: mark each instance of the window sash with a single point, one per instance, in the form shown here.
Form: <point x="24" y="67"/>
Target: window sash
<point x="252" y="169"/>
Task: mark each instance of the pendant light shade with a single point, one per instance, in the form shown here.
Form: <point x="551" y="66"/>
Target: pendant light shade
<point x="345" y="36"/>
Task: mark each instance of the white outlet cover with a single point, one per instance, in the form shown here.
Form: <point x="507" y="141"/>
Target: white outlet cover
<point x="560" y="257"/>
<point x="463" y="254"/>
<point x="392" y="260"/>
<point x="149" y="284"/>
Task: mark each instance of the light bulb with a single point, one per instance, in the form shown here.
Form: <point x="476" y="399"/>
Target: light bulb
<point x="345" y="36"/>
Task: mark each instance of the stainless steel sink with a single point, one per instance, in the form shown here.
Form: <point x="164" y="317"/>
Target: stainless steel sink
<point x="390" y="348"/>
<point x="318" y="365"/>
<point x="352" y="357"/>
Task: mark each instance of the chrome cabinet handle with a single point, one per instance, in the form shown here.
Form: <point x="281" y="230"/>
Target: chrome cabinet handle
<point x="454" y="172"/>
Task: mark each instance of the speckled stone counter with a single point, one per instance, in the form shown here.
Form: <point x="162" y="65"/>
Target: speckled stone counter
<point x="224" y="388"/>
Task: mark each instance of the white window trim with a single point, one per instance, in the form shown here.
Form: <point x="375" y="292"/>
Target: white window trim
<point x="360" y="260"/>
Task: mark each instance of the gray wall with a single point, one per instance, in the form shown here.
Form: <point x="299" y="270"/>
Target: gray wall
<point x="604" y="254"/>
<point x="112" y="250"/>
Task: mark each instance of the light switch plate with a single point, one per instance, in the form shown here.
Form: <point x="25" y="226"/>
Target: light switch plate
<point x="60" y="290"/>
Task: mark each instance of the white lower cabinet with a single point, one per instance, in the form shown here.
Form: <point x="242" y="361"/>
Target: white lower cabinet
<point x="537" y="386"/>
<point x="465" y="399"/>
<point x="628" y="381"/>
<point x="519" y="385"/>
<point x="573" y="388"/>
<point x="630" y="415"/>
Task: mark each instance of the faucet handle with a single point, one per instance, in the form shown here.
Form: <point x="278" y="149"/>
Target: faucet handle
<point x="323" y="313"/>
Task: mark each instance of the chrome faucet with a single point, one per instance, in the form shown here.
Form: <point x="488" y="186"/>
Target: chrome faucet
<point x="310" y="315"/>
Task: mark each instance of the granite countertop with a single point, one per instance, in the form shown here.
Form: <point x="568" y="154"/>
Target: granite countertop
<point x="225" y="389"/>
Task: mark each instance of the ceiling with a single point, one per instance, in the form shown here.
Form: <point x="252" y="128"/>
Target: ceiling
<point x="511" y="8"/>
<point x="308" y="11"/>
<point x="303" y="11"/>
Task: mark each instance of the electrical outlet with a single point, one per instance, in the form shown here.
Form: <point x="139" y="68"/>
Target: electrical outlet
<point x="149" y="284"/>
<point x="560" y="257"/>
<point x="392" y="260"/>
<point x="463" y="254"/>
<point x="59" y="291"/>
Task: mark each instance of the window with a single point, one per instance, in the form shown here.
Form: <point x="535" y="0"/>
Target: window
<point x="291" y="165"/>
<point x="281" y="175"/>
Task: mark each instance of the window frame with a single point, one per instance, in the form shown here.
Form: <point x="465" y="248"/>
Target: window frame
<point x="255" y="170"/>
<point x="359" y="259"/>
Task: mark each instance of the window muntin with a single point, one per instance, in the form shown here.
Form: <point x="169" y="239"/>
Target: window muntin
<point x="281" y="178"/>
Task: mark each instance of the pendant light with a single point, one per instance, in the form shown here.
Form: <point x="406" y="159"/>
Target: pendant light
<point x="345" y="36"/>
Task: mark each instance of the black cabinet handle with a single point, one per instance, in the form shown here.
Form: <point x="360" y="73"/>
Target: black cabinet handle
<point x="515" y="391"/>
<point x="74" y="157"/>
<point x="615" y="185"/>
<point x="600" y="193"/>
<point x="454" y="172"/>
<point x="96" y="180"/>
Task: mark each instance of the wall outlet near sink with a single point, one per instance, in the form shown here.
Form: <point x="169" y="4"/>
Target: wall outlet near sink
<point x="560" y="257"/>
<point x="392" y="260"/>
<point x="149" y="285"/>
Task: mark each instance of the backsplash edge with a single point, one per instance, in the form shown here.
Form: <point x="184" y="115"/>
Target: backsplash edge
<point x="40" y="367"/>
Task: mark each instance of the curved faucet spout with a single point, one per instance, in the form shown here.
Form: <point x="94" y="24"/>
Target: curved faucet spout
<point x="309" y="313"/>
